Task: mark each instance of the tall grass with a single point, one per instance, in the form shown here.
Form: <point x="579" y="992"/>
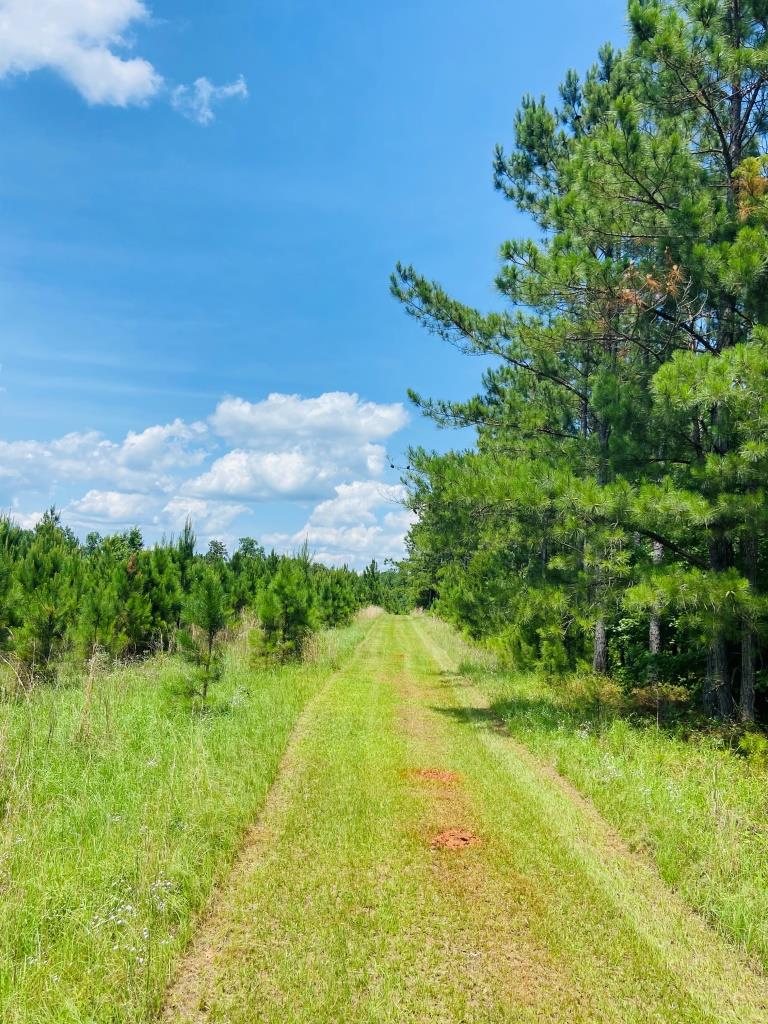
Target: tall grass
<point x="121" y="805"/>
<point x="686" y="798"/>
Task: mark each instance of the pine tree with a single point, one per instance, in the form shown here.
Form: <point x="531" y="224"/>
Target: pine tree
<point x="371" y="584"/>
<point x="615" y="467"/>
<point x="336" y="597"/>
<point x="249" y="570"/>
<point x="11" y="540"/>
<point x="163" y="588"/>
<point x="217" y="552"/>
<point x="205" y="619"/>
<point x="287" y="610"/>
<point x="44" y="595"/>
<point x="93" y="627"/>
<point x="113" y="596"/>
<point x="185" y="554"/>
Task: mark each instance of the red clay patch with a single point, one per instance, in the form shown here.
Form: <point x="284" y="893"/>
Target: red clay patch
<point x="454" y="839"/>
<point x="437" y="775"/>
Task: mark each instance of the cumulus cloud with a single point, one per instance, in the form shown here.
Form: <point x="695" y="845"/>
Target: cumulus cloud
<point x="335" y="414"/>
<point x="364" y="520"/>
<point x="86" y="42"/>
<point x="307" y="471"/>
<point x="143" y="461"/>
<point x="77" y="39"/>
<point x="356" y="503"/>
<point x="262" y="475"/>
<point x="211" y="518"/>
<point x="289" y="446"/>
<point x="27" y="520"/>
<point x="285" y="449"/>
<point x="120" y="509"/>
<point x="173" y="446"/>
<point x="110" y="506"/>
<point x="198" y="100"/>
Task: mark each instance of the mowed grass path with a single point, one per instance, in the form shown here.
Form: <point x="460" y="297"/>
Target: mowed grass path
<point x="121" y="807"/>
<point x="346" y="904"/>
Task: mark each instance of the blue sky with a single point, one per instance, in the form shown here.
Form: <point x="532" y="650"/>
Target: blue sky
<point x="174" y="251"/>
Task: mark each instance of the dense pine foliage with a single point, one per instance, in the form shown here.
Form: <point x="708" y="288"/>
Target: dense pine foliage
<point x="612" y="514"/>
<point x="110" y="596"/>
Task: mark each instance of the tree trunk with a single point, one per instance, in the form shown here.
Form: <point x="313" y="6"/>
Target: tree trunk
<point x="654" y="627"/>
<point x="736" y="128"/>
<point x="654" y="635"/>
<point x="600" y="655"/>
<point x="717" y="693"/>
<point x="747" y="694"/>
<point x="600" y="652"/>
<point x="748" y="638"/>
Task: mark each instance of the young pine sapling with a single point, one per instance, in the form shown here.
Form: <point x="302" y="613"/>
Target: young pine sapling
<point x="204" y="620"/>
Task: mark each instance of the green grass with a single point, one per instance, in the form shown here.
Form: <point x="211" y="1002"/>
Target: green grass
<point x="698" y="809"/>
<point x="342" y="909"/>
<point x="121" y="807"/>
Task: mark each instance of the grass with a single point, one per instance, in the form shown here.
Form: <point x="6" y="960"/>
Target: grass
<point x="697" y="808"/>
<point x="121" y="807"/>
<point x="124" y="807"/>
<point x="345" y="907"/>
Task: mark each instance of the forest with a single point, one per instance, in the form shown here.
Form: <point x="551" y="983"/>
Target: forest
<point x="611" y="517"/>
<point x="110" y="598"/>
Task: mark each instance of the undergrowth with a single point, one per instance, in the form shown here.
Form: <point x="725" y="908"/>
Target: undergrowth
<point x="122" y="802"/>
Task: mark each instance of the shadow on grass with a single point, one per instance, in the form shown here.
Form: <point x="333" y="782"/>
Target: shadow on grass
<point x="540" y="712"/>
<point x="503" y="715"/>
<point x="549" y="713"/>
<point x="211" y="709"/>
<point x="180" y="700"/>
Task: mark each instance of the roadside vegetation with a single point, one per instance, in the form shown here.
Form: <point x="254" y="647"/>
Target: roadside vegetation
<point x="689" y="797"/>
<point x="123" y="804"/>
<point x="66" y="604"/>
<point x="146" y="699"/>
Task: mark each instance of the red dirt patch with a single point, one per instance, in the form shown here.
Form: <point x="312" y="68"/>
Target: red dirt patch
<point x="436" y="775"/>
<point x="454" y="839"/>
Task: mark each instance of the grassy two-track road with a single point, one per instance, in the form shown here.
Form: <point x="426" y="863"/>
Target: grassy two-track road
<point x="414" y="864"/>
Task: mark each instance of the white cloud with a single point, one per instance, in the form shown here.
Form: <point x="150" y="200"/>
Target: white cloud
<point x="365" y="520"/>
<point x="289" y="446"/>
<point x="142" y="461"/>
<point x="27" y="520"/>
<point x="198" y="100"/>
<point x="110" y="506"/>
<point x="336" y="414"/>
<point x="284" y="449"/>
<point x="77" y="39"/>
<point x="85" y="42"/>
<point x="116" y="509"/>
<point x="356" y="503"/>
<point x="302" y="473"/>
<point x="210" y="518"/>
<point x="263" y="475"/>
<point x="164" y="447"/>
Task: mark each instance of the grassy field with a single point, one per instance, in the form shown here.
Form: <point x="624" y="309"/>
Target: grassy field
<point x="696" y="807"/>
<point x="414" y="864"/>
<point x="385" y="853"/>
<point x="121" y="807"/>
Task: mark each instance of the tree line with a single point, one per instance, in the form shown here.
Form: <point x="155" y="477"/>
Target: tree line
<point x="611" y="515"/>
<point x="61" y="598"/>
